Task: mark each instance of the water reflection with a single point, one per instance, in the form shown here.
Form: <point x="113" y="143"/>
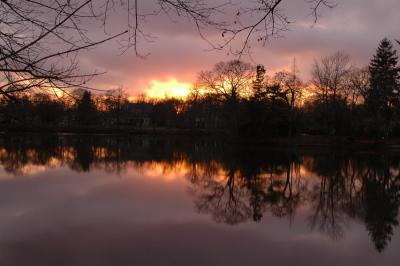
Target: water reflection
<point x="236" y="184"/>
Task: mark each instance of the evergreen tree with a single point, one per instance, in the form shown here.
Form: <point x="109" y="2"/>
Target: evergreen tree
<point x="258" y="83"/>
<point x="86" y="110"/>
<point x="382" y="98"/>
<point x="384" y="79"/>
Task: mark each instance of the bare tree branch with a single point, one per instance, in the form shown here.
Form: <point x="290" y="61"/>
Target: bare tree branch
<point x="40" y="39"/>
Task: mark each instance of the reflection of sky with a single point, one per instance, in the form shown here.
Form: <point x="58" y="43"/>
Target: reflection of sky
<point x="61" y="217"/>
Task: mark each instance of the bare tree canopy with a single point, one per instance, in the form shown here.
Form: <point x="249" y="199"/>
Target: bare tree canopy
<point x="329" y="75"/>
<point x="227" y="81"/>
<point x="290" y="85"/>
<point x="357" y="85"/>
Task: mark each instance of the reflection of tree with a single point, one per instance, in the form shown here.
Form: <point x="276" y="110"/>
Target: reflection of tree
<point x="366" y="188"/>
<point x="344" y="187"/>
<point x="18" y="154"/>
<point x="284" y="191"/>
<point x="328" y="204"/>
<point x="224" y="198"/>
<point x="328" y="197"/>
<point x="256" y="187"/>
<point x="235" y="184"/>
<point x="83" y="154"/>
<point x="235" y="195"/>
<point x="381" y="203"/>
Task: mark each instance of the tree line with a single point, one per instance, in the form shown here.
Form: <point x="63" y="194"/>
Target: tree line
<point x="42" y="41"/>
<point x="241" y="99"/>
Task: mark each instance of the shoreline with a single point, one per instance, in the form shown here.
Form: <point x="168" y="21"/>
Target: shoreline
<point x="114" y="131"/>
<point x="294" y="141"/>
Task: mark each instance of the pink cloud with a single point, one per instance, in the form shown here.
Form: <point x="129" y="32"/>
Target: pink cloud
<point x="179" y="53"/>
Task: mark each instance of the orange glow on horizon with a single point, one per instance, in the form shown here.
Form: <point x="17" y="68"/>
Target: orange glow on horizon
<point x="171" y="88"/>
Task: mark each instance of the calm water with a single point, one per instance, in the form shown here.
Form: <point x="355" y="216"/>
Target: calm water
<point x="87" y="200"/>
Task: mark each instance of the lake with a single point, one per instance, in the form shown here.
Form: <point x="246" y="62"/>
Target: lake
<point x="131" y="200"/>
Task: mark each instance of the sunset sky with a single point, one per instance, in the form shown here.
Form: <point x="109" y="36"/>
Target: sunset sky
<point x="177" y="53"/>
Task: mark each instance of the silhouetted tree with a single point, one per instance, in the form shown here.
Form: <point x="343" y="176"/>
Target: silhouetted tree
<point x="86" y="110"/>
<point x="259" y="83"/>
<point x="291" y="87"/>
<point x="357" y="85"/>
<point x="383" y="96"/>
<point x="47" y="111"/>
<point x="228" y="82"/>
<point x="329" y="76"/>
<point x="164" y="113"/>
<point x="115" y="101"/>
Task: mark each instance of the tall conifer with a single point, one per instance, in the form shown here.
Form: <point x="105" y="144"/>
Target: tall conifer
<point x="384" y="78"/>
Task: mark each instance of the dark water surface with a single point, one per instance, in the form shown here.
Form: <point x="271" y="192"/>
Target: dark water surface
<point x="102" y="200"/>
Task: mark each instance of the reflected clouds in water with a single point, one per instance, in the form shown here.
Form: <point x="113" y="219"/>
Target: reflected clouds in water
<point x="98" y="200"/>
